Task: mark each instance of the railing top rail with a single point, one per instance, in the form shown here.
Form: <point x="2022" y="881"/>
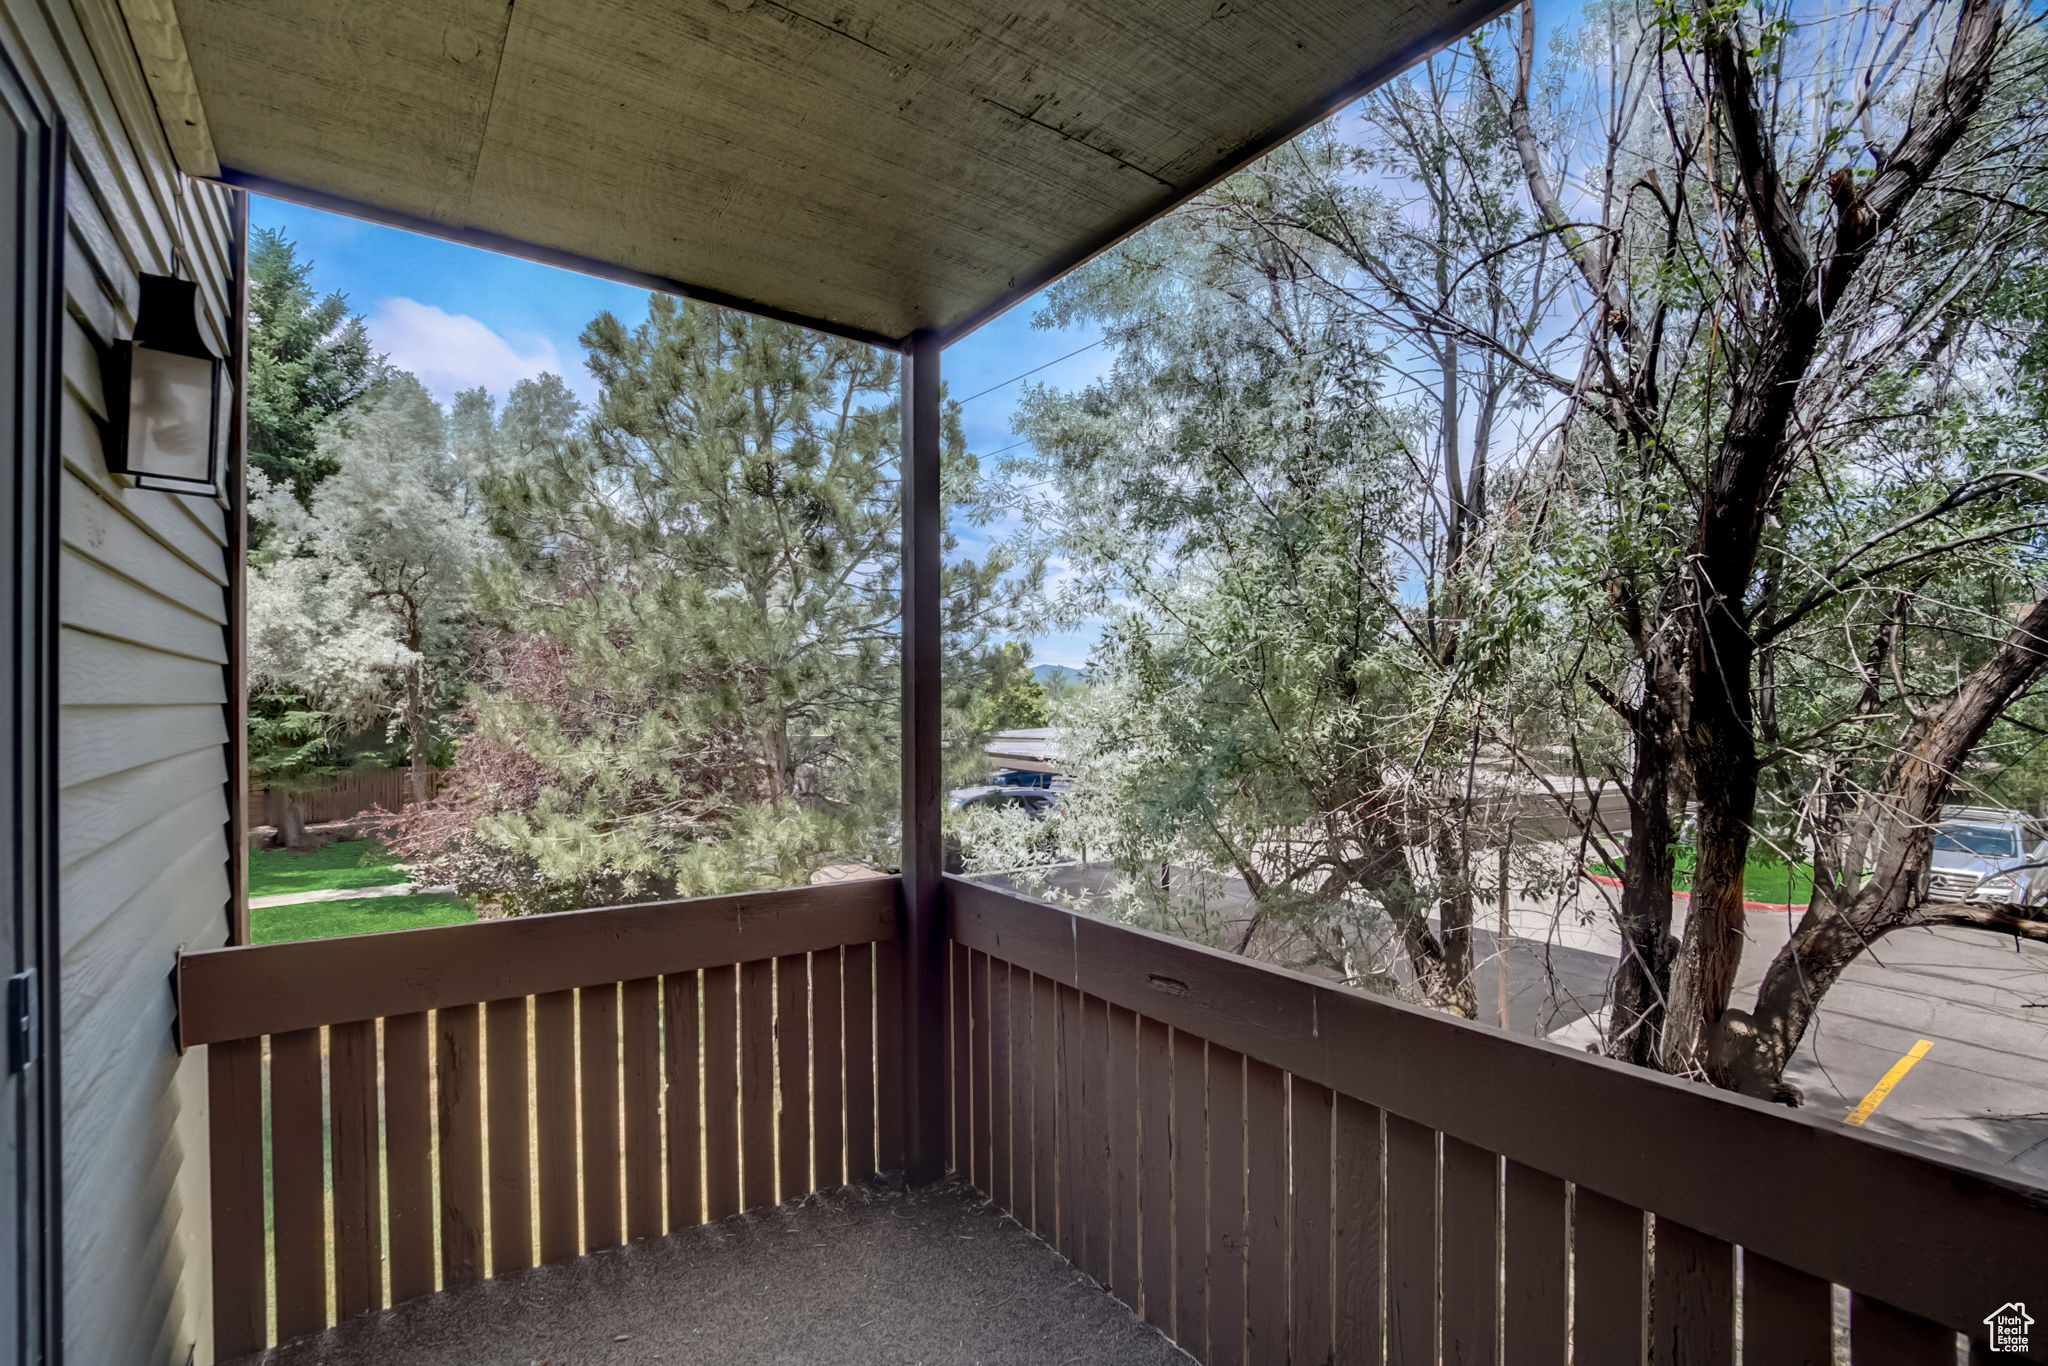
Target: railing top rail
<point x="1931" y="1234"/>
<point x="240" y="993"/>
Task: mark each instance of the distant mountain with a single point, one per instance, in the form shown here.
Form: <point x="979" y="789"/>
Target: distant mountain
<point x="1059" y="673"/>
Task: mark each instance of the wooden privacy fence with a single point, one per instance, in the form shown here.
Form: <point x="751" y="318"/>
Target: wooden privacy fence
<point x="1271" y="1169"/>
<point x="342" y="797"/>
<point x="447" y="1104"/>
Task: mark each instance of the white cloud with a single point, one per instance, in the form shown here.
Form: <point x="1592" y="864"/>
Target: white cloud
<point x="451" y="352"/>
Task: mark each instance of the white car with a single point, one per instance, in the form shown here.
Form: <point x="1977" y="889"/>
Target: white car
<point x="1982" y="854"/>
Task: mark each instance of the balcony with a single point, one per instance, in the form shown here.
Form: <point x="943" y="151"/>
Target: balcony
<point x="648" y="1133"/>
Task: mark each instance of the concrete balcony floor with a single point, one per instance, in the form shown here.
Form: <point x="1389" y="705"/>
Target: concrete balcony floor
<point x="856" y="1276"/>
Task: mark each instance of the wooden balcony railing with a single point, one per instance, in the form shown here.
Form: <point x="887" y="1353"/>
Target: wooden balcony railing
<point x="397" y="1113"/>
<point x="1269" y="1168"/>
<point x="1272" y="1169"/>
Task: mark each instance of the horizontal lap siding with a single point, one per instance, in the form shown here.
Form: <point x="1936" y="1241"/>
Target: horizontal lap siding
<point x="142" y="817"/>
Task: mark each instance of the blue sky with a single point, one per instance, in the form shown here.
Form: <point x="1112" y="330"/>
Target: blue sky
<point x="459" y="317"/>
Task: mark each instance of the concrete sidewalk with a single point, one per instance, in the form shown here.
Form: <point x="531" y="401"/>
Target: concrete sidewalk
<point x="257" y="903"/>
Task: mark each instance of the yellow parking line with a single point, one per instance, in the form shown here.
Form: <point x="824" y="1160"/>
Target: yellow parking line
<point x="1887" y="1082"/>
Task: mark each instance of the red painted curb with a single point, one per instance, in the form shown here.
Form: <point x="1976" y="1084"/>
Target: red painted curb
<point x="1607" y="881"/>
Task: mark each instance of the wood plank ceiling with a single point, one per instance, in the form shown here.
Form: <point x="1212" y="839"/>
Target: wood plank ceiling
<point x="876" y="167"/>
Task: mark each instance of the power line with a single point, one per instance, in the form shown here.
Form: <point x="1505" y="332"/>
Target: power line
<point x="1035" y="369"/>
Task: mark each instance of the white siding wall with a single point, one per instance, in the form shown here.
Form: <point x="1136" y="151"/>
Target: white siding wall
<point x="143" y="820"/>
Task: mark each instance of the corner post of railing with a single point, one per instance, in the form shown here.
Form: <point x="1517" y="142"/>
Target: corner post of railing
<point x="921" y="924"/>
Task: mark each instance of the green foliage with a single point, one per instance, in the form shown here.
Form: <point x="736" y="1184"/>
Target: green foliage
<point x="1011" y="697"/>
<point x="309" y="359"/>
<point x="690" y="677"/>
<point x="292" y="746"/>
<point x="1231" y="498"/>
<point x="361" y="598"/>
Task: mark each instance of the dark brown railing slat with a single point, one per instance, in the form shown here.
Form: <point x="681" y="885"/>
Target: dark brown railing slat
<point x="999" y="1082"/>
<point x="1787" y="1315"/>
<point x="859" y="1008"/>
<point x="507" y="1052"/>
<point x="1022" y="1081"/>
<point x="1121" y="1081"/>
<point x="1880" y="1335"/>
<point x="1265" y="1204"/>
<point x="358" y="1176"/>
<point x="757" y="1083"/>
<point x="1226" y="1207"/>
<point x="1073" y="1236"/>
<point x="1355" y="1234"/>
<point x="960" y="1044"/>
<point x="234" y="1099"/>
<point x="828" y="1068"/>
<point x="979" y="1140"/>
<point x="1411" y="1241"/>
<point x="1091" y="1135"/>
<point x="408" y="1156"/>
<point x="1309" y="1322"/>
<point x="681" y="1057"/>
<point x="1607" y="1281"/>
<point x="640" y="1056"/>
<point x="459" y="1142"/>
<point x="1045" y="1068"/>
<point x="1533" y="1310"/>
<point x="793" y="1076"/>
<point x="298" y="1204"/>
<point x="554" y="1066"/>
<point x="1692" y="1297"/>
<point x="1155" y="1176"/>
<point x="889" y="1117"/>
<point x="1190" y="1157"/>
<point x="721" y="1093"/>
<point x="597" y="1084"/>
<point x="1471" y="1254"/>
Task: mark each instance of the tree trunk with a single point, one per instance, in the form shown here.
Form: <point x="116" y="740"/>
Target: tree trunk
<point x="1454" y="989"/>
<point x="1657" y="791"/>
<point x="1500" y="947"/>
<point x="1747" y="481"/>
<point x="420" y="750"/>
<point x="1722" y="754"/>
<point x="1751" y="1049"/>
<point x="291" y="822"/>
<point x="1441" y="964"/>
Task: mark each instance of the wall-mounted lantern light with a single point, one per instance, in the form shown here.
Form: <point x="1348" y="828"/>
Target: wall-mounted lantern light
<point x="170" y="395"/>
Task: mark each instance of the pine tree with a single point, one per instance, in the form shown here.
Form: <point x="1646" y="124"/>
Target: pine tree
<point x="694" y="686"/>
<point x="309" y="359"/>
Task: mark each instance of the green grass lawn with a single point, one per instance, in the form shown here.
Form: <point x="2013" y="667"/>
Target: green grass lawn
<point x="340" y="866"/>
<point x="1766" y="879"/>
<point x="363" y="915"/>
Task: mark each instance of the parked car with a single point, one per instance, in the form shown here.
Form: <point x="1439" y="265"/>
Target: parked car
<point x="1985" y="854"/>
<point x="1032" y="802"/>
<point x="1017" y="777"/>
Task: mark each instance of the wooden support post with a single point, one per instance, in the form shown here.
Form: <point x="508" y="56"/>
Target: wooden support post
<point x="922" y="928"/>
